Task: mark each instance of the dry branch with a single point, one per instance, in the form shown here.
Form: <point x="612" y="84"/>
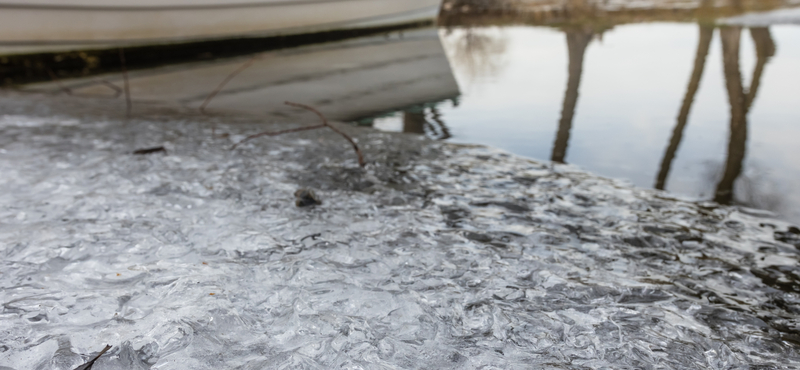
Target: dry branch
<point x="276" y="133"/>
<point x="116" y="88"/>
<point x="55" y="79"/>
<point x="225" y="82"/>
<point x="325" y="123"/>
<point x="88" y="365"/>
<point x="219" y="87"/>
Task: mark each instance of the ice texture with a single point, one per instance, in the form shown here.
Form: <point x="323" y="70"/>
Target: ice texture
<point x="436" y="256"/>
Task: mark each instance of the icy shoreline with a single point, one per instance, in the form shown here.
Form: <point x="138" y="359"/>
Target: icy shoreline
<point x="435" y="256"/>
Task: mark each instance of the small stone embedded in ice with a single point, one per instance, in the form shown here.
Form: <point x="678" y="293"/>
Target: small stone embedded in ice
<point x="306" y="198"/>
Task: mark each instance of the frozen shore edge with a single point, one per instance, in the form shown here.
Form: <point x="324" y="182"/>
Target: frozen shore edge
<point x="436" y="255"/>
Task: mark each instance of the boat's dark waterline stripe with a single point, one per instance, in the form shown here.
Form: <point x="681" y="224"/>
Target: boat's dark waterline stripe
<point x="40" y="67"/>
<point x="127" y="8"/>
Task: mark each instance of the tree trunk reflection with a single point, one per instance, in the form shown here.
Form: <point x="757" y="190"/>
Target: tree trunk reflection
<point x="414" y="121"/>
<point x="578" y="40"/>
<point x="736" y="98"/>
<point x="740" y="101"/>
<point x="706" y="34"/>
<point x="765" y="49"/>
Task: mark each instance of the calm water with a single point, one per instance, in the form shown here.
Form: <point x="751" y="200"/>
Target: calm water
<point x="617" y="115"/>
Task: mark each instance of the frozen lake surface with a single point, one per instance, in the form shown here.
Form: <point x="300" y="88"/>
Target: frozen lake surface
<point x="435" y="256"/>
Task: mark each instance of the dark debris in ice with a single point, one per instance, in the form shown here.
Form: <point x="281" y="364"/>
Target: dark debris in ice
<point x="158" y="149"/>
<point x="306" y="198"/>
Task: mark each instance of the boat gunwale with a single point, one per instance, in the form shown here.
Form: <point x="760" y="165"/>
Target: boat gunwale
<point x="150" y="8"/>
<point x="319" y="28"/>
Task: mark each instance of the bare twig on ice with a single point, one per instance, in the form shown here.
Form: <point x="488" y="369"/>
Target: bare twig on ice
<point x="55" y="79"/>
<point x="222" y="84"/>
<point x="88" y="365"/>
<point x="117" y="90"/>
<point x="325" y="123"/>
<point x="276" y="133"/>
<point x="336" y="130"/>
<point x="225" y="82"/>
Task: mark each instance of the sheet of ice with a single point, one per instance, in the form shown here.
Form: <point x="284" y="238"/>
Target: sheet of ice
<point x="436" y="256"/>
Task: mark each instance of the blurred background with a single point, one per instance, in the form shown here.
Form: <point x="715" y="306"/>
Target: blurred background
<point x="696" y="97"/>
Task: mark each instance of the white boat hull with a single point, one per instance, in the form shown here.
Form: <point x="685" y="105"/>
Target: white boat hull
<point x="347" y="80"/>
<point x="28" y="25"/>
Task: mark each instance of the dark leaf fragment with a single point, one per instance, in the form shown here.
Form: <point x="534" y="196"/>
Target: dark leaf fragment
<point x="158" y="149"/>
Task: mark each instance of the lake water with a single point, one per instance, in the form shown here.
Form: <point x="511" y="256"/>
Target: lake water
<point x="623" y="107"/>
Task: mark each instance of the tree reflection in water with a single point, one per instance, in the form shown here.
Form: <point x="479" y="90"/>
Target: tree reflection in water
<point x="740" y="101"/>
<point x="582" y="20"/>
<point x="738" y="104"/>
<point x="578" y="39"/>
<point x="416" y="121"/>
<point x="476" y="53"/>
<point x="706" y="34"/>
